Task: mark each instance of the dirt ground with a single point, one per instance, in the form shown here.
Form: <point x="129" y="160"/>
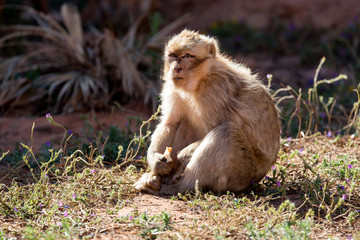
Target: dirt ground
<point x="18" y="129"/>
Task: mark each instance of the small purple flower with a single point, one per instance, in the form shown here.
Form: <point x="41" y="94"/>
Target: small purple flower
<point x="70" y="132"/>
<point x="266" y="177"/>
<point x="343" y="52"/>
<point x="301" y="151"/>
<point x="329" y="134"/>
<point x="15" y="209"/>
<point x="66" y="214"/>
<point x="310" y="82"/>
<point x="74" y="196"/>
<point x="131" y="218"/>
<point x="322" y="115"/>
<point x="48" y="144"/>
<point x="292" y="27"/>
<point x="93" y="214"/>
<point x="48" y="115"/>
<point x="342" y="187"/>
<point x="60" y="204"/>
<point x="320" y="188"/>
<point x="347" y="180"/>
<point x="352" y="25"/>
<point x="343" y="197"/>
<point x="238" y="39"/>
<point x="278" y="183"/>
<point x="67" y="206"/>
<point x="273" y="167"/>
<point x="289" y="139"/>
<point x="350" y="166"/>
<point x="40" y="205"/>
<point x="92" y="171"/>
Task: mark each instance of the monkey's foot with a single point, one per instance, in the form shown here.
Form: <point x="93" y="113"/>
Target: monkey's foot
<point x="148" y="183"/>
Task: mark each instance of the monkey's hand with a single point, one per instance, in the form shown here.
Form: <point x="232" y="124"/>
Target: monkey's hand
<point x="148" y="183"/>
<point x="161" y="164"/>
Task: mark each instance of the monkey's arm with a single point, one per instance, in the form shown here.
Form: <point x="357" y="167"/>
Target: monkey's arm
<point x="162" y="137"/>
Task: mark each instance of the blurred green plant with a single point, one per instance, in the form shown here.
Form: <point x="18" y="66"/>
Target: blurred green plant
<point x="72" y="70"/>
<point x="279" y="39"/>
<point x="307" y="108"/>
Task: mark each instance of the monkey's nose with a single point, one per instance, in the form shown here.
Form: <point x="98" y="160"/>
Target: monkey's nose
<point x="178" y="69"/>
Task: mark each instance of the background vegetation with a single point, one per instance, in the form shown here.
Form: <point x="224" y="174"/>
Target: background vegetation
<point x="79" y="189"/>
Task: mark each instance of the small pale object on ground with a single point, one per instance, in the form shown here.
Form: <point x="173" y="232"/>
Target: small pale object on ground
<point x="167" y="154"/>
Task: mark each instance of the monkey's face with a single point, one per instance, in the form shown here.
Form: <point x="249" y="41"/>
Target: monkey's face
<point x="180" y="64"/>
<point x="187" y="67"/>
<point x="187" y="59"/>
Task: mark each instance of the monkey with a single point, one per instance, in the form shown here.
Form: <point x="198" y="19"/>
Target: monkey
<point x="218" y="118"/>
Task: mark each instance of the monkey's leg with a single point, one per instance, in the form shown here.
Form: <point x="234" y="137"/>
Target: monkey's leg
<point x="161" y="170"/>
<point x="184" y="157"/>
<point x="222" y="161"/>
<point x="182" y="149"/>
<point x="148" y="183"/>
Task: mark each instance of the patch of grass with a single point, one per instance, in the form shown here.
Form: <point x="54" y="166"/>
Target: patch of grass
<point x="312" y="192"/>
<point x="149" y="227"/>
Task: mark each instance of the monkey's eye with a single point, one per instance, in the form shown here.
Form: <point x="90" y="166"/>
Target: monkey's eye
<point x="187" y="55"/>
<point x="173" y="56"/>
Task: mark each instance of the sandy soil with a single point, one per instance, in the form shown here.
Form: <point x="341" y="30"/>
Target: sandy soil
<point x="18" y="129"/>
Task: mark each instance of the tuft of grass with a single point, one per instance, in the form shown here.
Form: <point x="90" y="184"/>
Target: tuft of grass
<point x="311" y="108"/>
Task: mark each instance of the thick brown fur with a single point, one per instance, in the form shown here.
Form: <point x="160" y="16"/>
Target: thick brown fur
<point x="218" y="118"/>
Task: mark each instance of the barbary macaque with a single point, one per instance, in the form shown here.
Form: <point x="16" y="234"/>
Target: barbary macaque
<point x="219" y="127"/>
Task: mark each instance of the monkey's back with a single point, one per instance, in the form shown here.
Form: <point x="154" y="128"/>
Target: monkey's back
<point x="232" y="93"/>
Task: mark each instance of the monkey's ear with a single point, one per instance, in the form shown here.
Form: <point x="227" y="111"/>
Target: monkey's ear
<point x="214" y="48"/>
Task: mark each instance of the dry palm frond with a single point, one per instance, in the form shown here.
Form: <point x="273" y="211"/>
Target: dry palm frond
<point x="76" y="71"/>
<point x="11" y="89"/>
<point x="72" y="22"/>
<point x="118" y="56"/>
<point x="61" y="58"/>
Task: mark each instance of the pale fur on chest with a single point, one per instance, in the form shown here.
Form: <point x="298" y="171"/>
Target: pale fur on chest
<point x="191" y="110"/>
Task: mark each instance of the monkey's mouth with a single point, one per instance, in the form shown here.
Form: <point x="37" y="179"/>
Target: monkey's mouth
<point x="177" y="78"/>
